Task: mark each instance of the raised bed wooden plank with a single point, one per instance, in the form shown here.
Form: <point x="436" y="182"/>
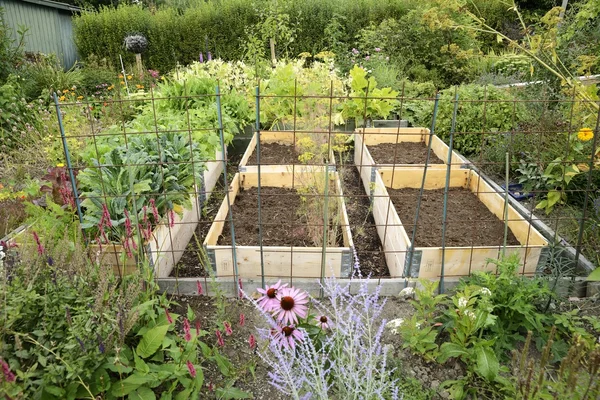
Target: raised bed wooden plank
<point x="459" y="261"/>
<point x="279" y="261"/>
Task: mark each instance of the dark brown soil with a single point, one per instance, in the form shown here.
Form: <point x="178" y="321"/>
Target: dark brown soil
<point x="402" y="153"/>
<point x="469" y="222"/>
<point x="364" y="231"/>
<point x="282" y="224"/>
<point x="274" y="154"/>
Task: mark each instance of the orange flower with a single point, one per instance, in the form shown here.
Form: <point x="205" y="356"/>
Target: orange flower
<point x="122" y="83"/>
<point x="120" y="76"/>
<point x="139" y="86"/>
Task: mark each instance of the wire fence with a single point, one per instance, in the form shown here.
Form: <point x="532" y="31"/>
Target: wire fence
<point x="304" y="195"/>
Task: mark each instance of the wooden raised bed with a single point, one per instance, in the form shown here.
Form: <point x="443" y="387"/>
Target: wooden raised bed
<point x="279" y="261"/>
<point x="459" y="261"/>
<point x="168" y="244"/>
<point x="286" y="138"/>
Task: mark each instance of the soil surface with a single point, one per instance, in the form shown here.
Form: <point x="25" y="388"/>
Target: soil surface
<point x="282" y="224"/>
<point x="469" y="222"/>
<point x="274" y="153"/>
<point x="402" y="153"/>
<point x="364" y="231"/>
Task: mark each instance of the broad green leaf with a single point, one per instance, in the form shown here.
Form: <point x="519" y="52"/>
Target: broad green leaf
<point x="54" y="390"/>
<point x="151" y="341"/>
<point x="100" y="381"/>
<point x="594" y="276"/>
<point x="449" y="350"/>
<point x="184" y="395"/>
<point x="233" y="393"/>
<point x="142" y="393"/>
<point x="129" y="384"/>
<point x="487" y="363"/>
<point x="140" y="365"/>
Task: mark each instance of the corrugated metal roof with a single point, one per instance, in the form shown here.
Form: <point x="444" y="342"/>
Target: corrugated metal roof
<point x="53" y="4"/>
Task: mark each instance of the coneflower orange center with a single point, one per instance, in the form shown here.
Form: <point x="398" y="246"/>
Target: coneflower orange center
<point x="271" y="293"/>
<point x="287" y="303"/>
<point x="323" y="319"/>
<point x="288" y="330"/>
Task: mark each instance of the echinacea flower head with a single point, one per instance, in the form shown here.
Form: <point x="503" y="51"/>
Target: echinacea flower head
<point x="585" y="134"/>
<point x="323" y="322"/>
<point x="268" y="301"/>
<point x="292" y="304"/>
<point x="287" y="336"/>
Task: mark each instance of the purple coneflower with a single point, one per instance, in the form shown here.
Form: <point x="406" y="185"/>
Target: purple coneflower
<point x="291" y="305"/>
<point x="191" y="368"/>
<point x="287" y="336"/>
<point x="269" y="301"/>
<point x="323" y="322"/>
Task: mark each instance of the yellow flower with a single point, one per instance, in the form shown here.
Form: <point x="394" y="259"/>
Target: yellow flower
<point x="111" y="87"/>
<point x="120" y="76"/>
<point x="66" y="91"/>
<point x="79" y="97"/>
<point x="122" y="83"/>
<point x="62" y="98"/>
<point x="60" y="165"/>
<point x="128" y="77"/>
<point x="139" y="86"/>
<point x="585" y="134"/>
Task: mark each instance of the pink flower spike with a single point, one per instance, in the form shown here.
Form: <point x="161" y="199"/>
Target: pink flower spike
<point x="168" y="316"/>
<point x="187" y="335"/>
<point x="106" y="215"/>
<point x="242" y="319"/>
<point x="8" y="375"/>
<point x="172" y="218"/>
<point x="40" y="248"/>
<point x="287" y="336"/>
<point x="220" y="341"/>
<point x="191" y="368"/>
<point x="154" y="211"/>
<point x="292" y="304"/>
<point x="269" y="301"/>
<point x="199" y="287"/>
<point x="228" y="330"/>
<point x="197" y="327"/>
<point x="252" y="342"/>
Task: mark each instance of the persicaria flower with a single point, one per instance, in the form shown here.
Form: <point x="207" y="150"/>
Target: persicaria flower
<point x="292" y="304"/>
<point x="322" y="322"/>
<point x="172" y="218"/>
<point x="268" y="301"/>
<point x="40" y="248"/>
<point x="287" y="336"/>
<point x="197" y="327"/>
<point x="154" y="210"/>
<point x="252" y="342"/>
<point x="220" y="341"/>
<point x="191" y="368"/>
<point x="199" y="287"/>
<point x="168" y="316"/>
<point x="8" y="375"/>
<point x="242" y="319"/>
<point x="227" y="326"/>
<point x="186" y="330"/>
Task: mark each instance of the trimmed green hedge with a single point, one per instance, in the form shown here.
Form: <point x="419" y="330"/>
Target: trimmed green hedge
<point x="179" y="37"/>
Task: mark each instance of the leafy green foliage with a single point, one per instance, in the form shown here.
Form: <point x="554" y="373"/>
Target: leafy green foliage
<point x="18" y="120"/>
<point x="45" y="75"/>
<point x="481" y="109"/>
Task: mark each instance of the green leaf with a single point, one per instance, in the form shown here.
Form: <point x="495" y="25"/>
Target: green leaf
<point x="449" y="350"/>
<point x="594" y="276"/>
<point x="232" y="393"/>
<point x="183" y="395"/>
<point x="100" y="381"/>
<point x="487" y="363"/>
<point x="129" y="384"/>
<point x="140" y="365"/>
<point x="142" y="393"/>
<point x="54" y="390"/>
<point x="151" y="341"/>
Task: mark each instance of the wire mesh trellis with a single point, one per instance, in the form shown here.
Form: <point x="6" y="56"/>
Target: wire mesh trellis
<point x="338" y="200"/>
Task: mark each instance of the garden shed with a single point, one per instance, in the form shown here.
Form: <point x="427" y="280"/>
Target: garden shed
<point x="49" y="26"/>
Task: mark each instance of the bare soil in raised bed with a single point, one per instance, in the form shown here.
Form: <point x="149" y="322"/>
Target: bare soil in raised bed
<point x="469" y="222"/>
<point x="364" y="231"/>
<point x="282" y="223"/>
<point x="274" y="154"/>
<point x="402" y="153"/>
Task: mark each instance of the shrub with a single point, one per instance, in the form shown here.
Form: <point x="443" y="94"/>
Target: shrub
<point x="481" y="110"/>
<point x="46" y="75"/>
<point x="18" y="120"/>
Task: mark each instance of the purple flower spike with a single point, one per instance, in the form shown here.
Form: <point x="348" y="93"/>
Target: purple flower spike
<point x="209" y="57"/>
<point x="201" y="59"/>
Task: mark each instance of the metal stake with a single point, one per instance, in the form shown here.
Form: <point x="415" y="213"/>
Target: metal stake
<point x="260" y="235"/>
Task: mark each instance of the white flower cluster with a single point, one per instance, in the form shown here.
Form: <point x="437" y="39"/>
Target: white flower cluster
<point x="394" y="325"/>
<point x="485" y="291"/>
<point x="470" y="314"/>
<point x="462" y="302"/>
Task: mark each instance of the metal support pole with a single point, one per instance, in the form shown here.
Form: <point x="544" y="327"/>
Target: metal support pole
<point x="68" y="158"/>
<point x="222" y="138"/>
<point x="446" y="188"/>
<point x="260" y="234"/>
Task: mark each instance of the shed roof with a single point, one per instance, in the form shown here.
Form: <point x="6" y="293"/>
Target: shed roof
<point x="54" y="4"/>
